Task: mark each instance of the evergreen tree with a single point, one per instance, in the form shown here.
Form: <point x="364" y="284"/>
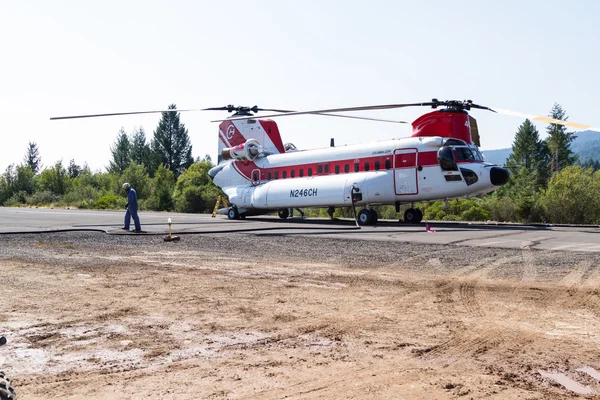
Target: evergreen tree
<point x="526" y="148"/>
<point x="559" y="141"/>
<point x="171" y="143"/>
<point x="590" y="163"/>
<point x="121" y="153"/>
<point x="140" y="150"/>
<point x="32" y="157"/>
<point x="73" y="169"/>
<point x="529" y="152"/>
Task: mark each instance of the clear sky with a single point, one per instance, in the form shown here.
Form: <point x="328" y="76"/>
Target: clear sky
<point x="79" y="57"/>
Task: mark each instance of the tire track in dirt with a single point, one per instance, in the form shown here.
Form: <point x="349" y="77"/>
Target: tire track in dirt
<point x="477" y="333"/>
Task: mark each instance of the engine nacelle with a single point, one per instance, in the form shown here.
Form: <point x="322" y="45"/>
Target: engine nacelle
<point x="247" y="151"/>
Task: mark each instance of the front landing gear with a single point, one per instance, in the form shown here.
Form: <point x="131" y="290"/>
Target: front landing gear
<point x="413" y="216"/>
<point x="367" y="217"/>
<point x="233" y="213"/>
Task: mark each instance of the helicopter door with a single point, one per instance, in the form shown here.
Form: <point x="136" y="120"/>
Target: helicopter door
<point x="405" y="171"/>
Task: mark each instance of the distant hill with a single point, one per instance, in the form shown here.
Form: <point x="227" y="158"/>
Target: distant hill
<point x="586" y="146"/>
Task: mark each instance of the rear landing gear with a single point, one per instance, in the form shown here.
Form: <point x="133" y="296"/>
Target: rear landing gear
<point x="367" y="217"/>
<point x="413" y="216"/>
<point x="283" y="213"/>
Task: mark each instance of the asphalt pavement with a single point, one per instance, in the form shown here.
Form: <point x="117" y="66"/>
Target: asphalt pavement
<point x="542" y="237"/>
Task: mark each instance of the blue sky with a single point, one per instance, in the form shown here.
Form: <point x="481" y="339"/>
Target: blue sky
<point x="79" y="57"/>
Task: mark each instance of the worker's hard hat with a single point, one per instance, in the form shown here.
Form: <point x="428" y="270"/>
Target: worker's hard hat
<point x="126" y="186"/>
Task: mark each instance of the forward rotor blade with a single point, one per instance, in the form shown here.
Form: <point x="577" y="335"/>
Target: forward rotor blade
<point x="127" y="113"/>
<point x="547" y="119"/>
<point x="334" y="110"/>
<point x="323" y="114"/>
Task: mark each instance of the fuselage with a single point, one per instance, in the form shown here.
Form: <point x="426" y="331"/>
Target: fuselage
<point x="385" y="172"/>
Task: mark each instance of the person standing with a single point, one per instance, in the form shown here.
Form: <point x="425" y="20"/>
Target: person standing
<point x="132" y="208"/>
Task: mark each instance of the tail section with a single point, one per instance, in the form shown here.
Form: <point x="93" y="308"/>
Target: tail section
<point x="235" y="133"/>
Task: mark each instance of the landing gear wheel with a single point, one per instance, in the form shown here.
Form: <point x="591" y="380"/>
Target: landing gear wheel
<point x="233" y="213"/>
<point x="419" y="216"/>
<point x="374" y="216"/>
<point x="412" y="216"/>
<point x="6" y="390"/>
<point x="365" y="217"/>
<point x="283" y="213"/>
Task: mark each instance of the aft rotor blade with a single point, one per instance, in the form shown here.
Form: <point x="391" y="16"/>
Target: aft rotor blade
<point x="122" y="113"/>
<point x="547" y="119"/>
<point x="334" y="110"/>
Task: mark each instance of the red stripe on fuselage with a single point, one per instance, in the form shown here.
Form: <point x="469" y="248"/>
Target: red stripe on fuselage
<point x="423" y="159"/>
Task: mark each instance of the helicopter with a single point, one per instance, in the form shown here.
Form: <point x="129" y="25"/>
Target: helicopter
<point x="441" y="160"/>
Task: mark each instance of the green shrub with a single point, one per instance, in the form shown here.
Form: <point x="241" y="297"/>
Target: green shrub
<point x="45" y="197"/>
<point x="110" y="202"/>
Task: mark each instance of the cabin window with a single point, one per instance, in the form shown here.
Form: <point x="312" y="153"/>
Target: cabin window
<point x="337" y="169"/>
<point x="320" y="168"/>
<point x="293" y="173"/>
<point x="388" y="164"/>
<point x="268" y="176"/>
<point x="309" y="171"/>
<point x="367" y="166"/>
<point x="326" y="168"/>
<point x="284" y="174"/>
<point x="346" y="168"/>
<point x="276" y="174"/>
<point x="446" y="159"/>
<point x="301" y="172"/>
<point x="255" y="177"/>
<point x="356" y="167"/>
<point x="377" y="165"/>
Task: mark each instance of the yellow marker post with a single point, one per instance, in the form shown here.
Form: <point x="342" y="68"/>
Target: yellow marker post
<point x="170" y="237"/>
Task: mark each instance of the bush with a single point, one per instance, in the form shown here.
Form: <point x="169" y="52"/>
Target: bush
<point x="501" y="209"/>
<point x="110" y="202"/>
<point x="82" y="196"/>
<point x="42" y="198"/>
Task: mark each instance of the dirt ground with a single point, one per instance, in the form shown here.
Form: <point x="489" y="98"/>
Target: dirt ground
<point x="100" y="316"/>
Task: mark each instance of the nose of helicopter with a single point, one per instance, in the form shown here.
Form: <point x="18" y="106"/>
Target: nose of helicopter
<point x="499" y="176"/>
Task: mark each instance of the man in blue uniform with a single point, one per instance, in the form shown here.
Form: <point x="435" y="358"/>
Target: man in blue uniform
<point x="132" y="208"/>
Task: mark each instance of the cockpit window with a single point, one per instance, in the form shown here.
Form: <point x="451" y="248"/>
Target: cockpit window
<point x="464" y="154"/>
<point x="467" y="154"/>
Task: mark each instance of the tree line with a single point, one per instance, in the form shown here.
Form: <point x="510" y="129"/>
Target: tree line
<point x="548" y="184"/>
<point x="162" y="171"/>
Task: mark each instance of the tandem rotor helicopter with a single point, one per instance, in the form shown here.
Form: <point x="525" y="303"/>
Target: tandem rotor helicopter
<point x="441" y="160"/>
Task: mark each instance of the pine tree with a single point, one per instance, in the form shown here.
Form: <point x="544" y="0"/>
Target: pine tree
<point x="529" y="152"/>
<point x="32" y="157"/>
<point x="121" y="153"/>
<point x="526" y="147"/>
<point x="171" y="143"/>
<point x="140" y="150"/>
<point x="74" y="170"/>
<point x="559" y="141"/>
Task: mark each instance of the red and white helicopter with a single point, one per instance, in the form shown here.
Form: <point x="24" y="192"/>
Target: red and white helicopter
<point x="439" y="161"/>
